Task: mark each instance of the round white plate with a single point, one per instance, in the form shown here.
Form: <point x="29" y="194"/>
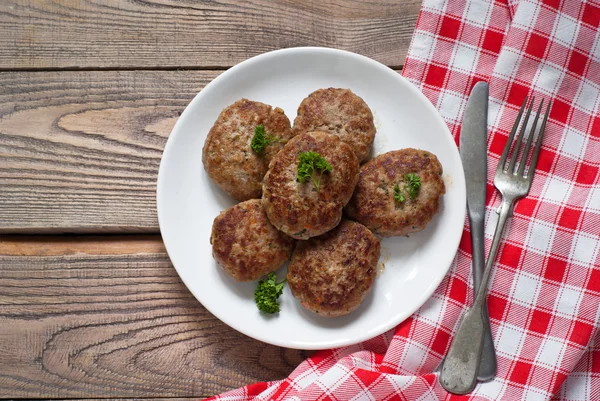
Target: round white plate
<point x="188" y="201"/>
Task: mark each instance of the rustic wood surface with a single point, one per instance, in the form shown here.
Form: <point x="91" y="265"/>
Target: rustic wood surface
<point x="109" y="317"/>
<point x="190" y="34"/>
<point x="90" y="92"/>
<point x="80" y="150"/>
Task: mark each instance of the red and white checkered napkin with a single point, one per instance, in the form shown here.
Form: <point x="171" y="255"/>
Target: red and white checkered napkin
<point x="545" y="291"/>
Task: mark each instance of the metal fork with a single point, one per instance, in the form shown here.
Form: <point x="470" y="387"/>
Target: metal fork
<point x="459" y="372"/>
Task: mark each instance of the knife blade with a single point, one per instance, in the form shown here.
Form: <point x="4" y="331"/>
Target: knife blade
<point x="473" y="152"/>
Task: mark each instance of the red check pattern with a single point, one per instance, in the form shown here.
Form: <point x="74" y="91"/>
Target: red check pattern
<point x="544" y="299"/>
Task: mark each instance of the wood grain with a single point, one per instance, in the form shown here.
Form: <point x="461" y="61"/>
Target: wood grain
<point x="92" y="324"/>
<point x="207" y="33"/>
<point x="80" y="150"/>
<point x="27" y="246"/>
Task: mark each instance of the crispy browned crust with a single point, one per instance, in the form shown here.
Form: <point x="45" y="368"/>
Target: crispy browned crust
<point x="246" y="245"/>
<point x="340" y="112"/>
<point x="373" y="201"/>
<point x="297" y="208"/>
<point x="332" y="274"/>
<point x="227" y="156"/>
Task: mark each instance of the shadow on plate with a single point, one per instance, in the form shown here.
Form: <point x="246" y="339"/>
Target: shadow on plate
<point x="221" y="197"/>
<point x="409" y="247"/>
<point x="244" y="290"/>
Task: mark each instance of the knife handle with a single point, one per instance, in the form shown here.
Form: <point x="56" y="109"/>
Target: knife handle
<point x="459" y="371"/>
<point x="488" y="365"/>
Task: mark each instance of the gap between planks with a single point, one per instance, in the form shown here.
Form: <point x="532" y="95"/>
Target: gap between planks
<point x="164" y="68"/>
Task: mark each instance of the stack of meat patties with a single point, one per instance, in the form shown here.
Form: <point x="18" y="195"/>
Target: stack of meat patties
<point x="295" y="183"/>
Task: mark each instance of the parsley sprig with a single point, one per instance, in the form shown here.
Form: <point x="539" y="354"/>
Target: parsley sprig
<point x="261" y="140"/>
<point x="267" y="292"/>
<point x="398" y="195"/>
<point x="308" y="164"/>
<point x="411" y="185"/>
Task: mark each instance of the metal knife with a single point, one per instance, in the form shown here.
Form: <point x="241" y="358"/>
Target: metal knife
<point x="473" y="152"/>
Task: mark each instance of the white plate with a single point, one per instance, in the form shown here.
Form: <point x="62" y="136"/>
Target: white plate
<point x="188" y="201"/>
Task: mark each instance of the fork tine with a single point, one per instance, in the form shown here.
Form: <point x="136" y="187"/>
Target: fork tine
<point x="513" y="159"/>
<point x="502" y="160"/>
<point x="538" y="144"/>
<point x="529" y="140"/>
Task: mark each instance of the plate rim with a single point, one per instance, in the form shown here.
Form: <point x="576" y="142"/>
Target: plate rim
<point x="294" y="344"/>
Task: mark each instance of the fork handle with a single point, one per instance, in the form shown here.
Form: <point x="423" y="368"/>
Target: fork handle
<point x="461" y="366"/>
<point x="488" y="364"/>
<point x="459" y="372"/>
<point x="507" y="205"/>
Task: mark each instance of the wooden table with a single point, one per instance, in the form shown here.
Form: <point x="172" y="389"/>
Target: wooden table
<point x="90" y="306"/>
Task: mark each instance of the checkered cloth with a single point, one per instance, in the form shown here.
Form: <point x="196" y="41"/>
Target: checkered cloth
<point x="545" y="288"/>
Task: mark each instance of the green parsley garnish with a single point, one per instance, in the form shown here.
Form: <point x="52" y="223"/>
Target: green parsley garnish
<point x="412" y="183"/>
<point x="261" y="140"/>
<point x="399" y="196"/>
<point x="267" y="292"/>
<point x="308" y="164"/>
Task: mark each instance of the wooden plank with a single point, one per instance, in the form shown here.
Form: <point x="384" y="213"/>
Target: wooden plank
<point x="89" y="245"/>
<point x="80" y="150"/>
<point x="96" y="324"/>
<point x="206" y="33"/>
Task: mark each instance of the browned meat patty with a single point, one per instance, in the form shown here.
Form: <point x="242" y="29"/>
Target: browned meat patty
<point x="373" y="202"/>
<point x="332" y="274"/>
<point x="298" y="208"/>
<point x="246" y="245"/>
<point x="339" y="112"/>
<point x="227" y="156"/>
